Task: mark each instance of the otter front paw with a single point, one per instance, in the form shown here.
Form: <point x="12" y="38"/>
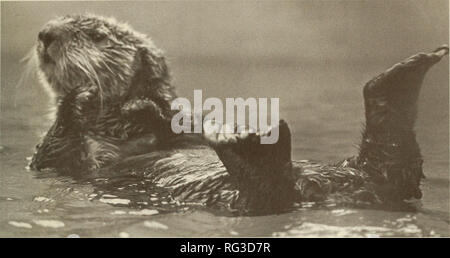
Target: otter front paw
<point x="144" y="115"/>
<point x="84" y="103"/>
<point x="145" y="107"/>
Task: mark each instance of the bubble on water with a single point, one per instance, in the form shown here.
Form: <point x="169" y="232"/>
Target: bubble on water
<point x="124" y="235"/>
<point x="307" y="229"/>
<point x="49" y="223"/>
<point x="233" y="233"/>
<point x="20" y="224"/>
<point x="144" y="212"/>
<point x="42" y="199"/>
<point x="153" y="199"/>
<point x="307" y="204"/>
<point x="155" y="225"/>
<point x="410" y="229"/>
<point x="109" y="196"/>
<point x="118" y="212"/>
<point x="115" y="201"/>
<point x="342" y="212"/>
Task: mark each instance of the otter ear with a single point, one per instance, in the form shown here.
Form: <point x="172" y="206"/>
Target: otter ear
<point x="153" y="64"/>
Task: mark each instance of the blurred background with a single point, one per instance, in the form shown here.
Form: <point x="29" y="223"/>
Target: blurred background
<point x="314" y="55"/>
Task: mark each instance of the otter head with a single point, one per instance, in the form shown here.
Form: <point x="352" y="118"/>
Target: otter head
<point x="88" y="50"/>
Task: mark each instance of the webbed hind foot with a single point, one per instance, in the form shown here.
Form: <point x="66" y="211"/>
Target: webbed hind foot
<point x="262" y="172"/>
<point x="389" y="152"/>
<point x="391" y="98"/>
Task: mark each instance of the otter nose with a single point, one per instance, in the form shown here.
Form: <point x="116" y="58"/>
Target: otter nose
<point x="47" y="37"/>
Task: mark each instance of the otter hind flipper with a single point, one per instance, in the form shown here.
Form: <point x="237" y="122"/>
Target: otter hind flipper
<point x="391" y="97"/>
<point x="262" y="172"/>
<point x="389" y="152"/>
<point x="246" y="146"/>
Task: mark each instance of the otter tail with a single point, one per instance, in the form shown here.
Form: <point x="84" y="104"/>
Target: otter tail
<point x="389" y="152"/>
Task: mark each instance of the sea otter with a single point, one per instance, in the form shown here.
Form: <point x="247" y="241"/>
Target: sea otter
<point x="113" y="93"/>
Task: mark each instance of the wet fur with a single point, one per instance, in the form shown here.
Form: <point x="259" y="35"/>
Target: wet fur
<point x="117" y="114"/>
<point x="117" y="78"/>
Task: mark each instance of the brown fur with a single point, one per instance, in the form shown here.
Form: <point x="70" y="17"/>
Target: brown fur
<point x="118" y="79"/>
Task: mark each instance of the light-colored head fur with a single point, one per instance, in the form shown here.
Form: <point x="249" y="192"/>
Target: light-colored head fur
<point x="88" y="50"/>
<point x="93" y="65"/>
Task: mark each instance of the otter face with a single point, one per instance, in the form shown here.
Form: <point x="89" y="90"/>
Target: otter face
<point x="88" y="50"/>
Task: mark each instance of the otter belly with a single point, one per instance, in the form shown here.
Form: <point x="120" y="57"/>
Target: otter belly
<point x="191" y="175"/>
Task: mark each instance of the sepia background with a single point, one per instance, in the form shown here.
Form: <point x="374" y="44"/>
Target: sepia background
<point x="314" y="55"/>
